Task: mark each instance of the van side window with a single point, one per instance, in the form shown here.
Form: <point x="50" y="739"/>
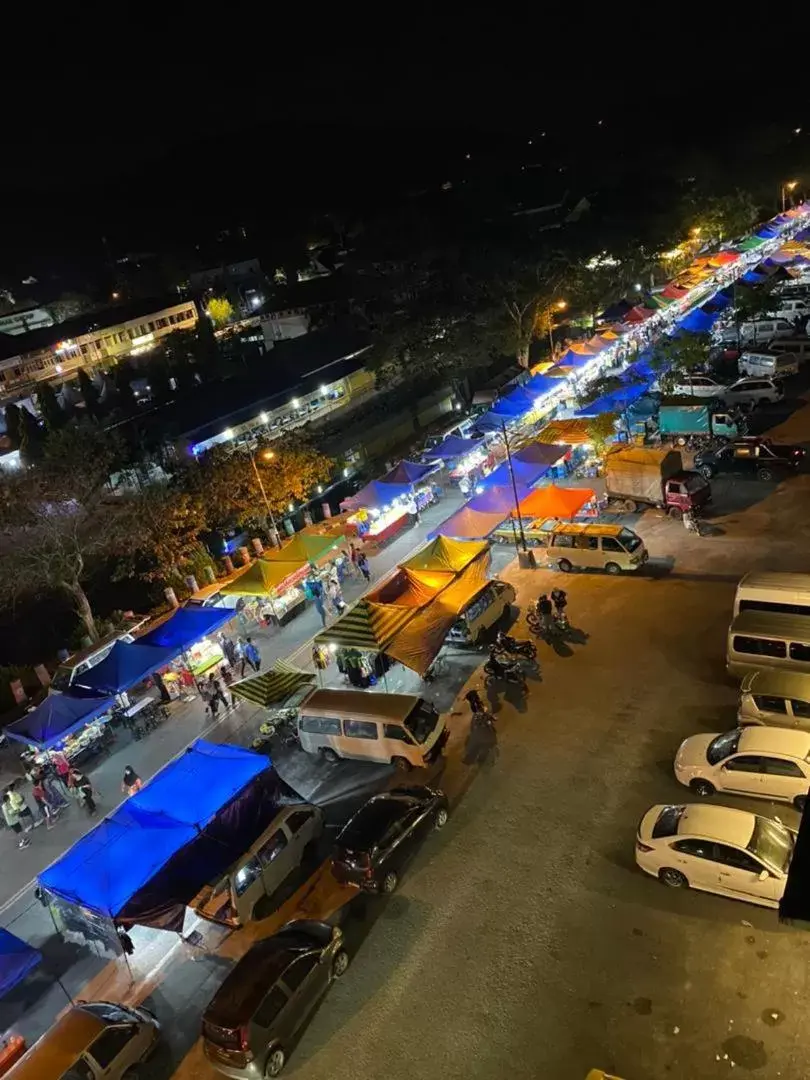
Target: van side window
<point x="270" y="1007"/>
<point x="106" y="1047"/>
<point x="779" y="767"/>
<point x="775" y="606"/>
<point x="770" y="704"/>
<point x="394" y="731"/>
<point x="755" y="646"/>
<point x="273" y="847"/>
<point x="801" y="708"/>
<point x="589" y="543"/>
<point x="562" y="540"/>
<point x="799" y="651"/>
<point x="320" y="725"/>
<point x="246" y="875"/>
<point x="360" y="729"/>
<point x="610" y="543"/>
<point x="297" y="820"/>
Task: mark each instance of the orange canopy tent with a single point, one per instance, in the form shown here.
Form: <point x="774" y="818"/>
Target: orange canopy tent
<point x="553" y="501"/>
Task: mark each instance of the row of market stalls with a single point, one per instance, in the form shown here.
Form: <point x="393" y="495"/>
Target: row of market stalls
<point x="80" y="721"/>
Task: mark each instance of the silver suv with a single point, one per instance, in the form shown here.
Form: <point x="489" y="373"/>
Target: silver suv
<point x="752" y="391"/>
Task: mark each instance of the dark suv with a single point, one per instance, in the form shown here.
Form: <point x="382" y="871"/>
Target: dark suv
<point x="751" y="456"/>
<point x="383" y="836"/>
<point x="254" y="1017"/>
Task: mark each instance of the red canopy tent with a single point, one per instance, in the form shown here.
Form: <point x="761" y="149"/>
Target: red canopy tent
<point x="638" y="314"/>
<point x="674" y="292"/>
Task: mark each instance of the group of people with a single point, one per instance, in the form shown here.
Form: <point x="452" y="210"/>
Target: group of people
<point x="328" y="596"/>
<point x="552" y="607"/>
<point x="52" y="786"/>
<point x="241" y="653"/>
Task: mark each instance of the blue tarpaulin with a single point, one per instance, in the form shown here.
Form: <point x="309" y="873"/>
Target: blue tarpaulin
<point x="614" y="402"/>
<point x="55" y="718"/>
<point x="16" y="960"/>
<point x="110" y="864"/>
<point x="698" y="322"/>
<point x="407" y="472"/>
<point x="452" y="447"/>
<point x="124" y="666"/>
<point x="526" y="473"/>
<point x="185" y="627"/>
<point x="752" y="278"/>
<point x="375" y="495"/>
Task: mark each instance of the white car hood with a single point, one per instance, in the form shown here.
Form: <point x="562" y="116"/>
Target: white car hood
<point x="692" y="752"/>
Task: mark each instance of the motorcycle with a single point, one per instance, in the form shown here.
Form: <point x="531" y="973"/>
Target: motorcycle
<point x="509" y="671"/>
<point x="506" y="644"/>
<point x="283" y="723"/>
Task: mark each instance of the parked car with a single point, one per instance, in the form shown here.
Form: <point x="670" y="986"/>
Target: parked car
<point x="750" y="456"/>
<point x="766" y="762"/>
<point x="94" y="1040"/>
<point x="764" y="364"/>
<point x="251" y="1022"/>
<point x="703" y="386"/>
<point x="376" y="844"/>
<point x="775" y="699"/>
<point x="716" y="849"/>
<point x="481" y="613"/>
<point x="752" y="391"/>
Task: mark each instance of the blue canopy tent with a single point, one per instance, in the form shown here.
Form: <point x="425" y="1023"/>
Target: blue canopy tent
<point x="58" y="716"/>
<point x="539" y="453"/>
<point x="617" y="401"/>
<point x="698" y="321"/>
<point x="452" y="447"/>
<point x="526" y="473"/>
<point x="507" y="409"/>
<point x="641" y="368"/>
<point x="500" y="498"/>
<point x="753" y="278"/>
<point x="16" y="959"/>
<point x="767" y="232"/>
<point x="719" y="302"/>
<point x="148" y="859"/>
<point x="408" y="472"/>
<point x="185" y="627"/>
<point x="540" y="386"/>
<point x="125" y="665"/>
<point x="374" y="495"/>
<point x="802" y="235"/>
<point x="571" y="359"/>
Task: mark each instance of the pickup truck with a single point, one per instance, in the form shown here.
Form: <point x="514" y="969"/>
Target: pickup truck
<point x="681" y="418"/>
<point x="754" y="456"/>
<point x="640" y="476"/>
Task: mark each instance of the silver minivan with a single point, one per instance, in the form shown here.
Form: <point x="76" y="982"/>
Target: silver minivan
<point x="283" y="846"/>
<point x="758" y="642"/>
<point x="762" y="363"/>
<point x="389" y="729"/>
<point x="775" y="699"/>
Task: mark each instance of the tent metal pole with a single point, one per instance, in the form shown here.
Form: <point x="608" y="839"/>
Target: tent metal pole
<point x="514" y="488"/>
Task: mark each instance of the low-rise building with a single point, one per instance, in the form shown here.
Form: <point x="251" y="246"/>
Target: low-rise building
<point x="92" y="340"/>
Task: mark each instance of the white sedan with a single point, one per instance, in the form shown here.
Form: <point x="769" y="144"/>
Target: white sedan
<point x="766" y="762"/>
<point x="716" y="849"/>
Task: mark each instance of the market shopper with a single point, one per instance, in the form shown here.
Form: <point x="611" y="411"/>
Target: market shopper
<point x="252" y="655"/>
<point x="23" y="810"/>
<point x="83" y="790"/>
<point x="335" y="596"/>
<point x="228" y="649"/>
<point x="216" y="690"/>
<point x="362" y="565"/>
<point x="131" y="783"/>
<point x="48" y="811"/>
<point x="12" y="819"/>
<point x="61" y="767"/>
<point x="227" y="679"/>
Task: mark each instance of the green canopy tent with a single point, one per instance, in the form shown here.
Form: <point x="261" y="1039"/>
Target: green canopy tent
<point x="270" y="688"/>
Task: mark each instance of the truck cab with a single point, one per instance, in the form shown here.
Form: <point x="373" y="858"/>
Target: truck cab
<point x="685" y="491"/>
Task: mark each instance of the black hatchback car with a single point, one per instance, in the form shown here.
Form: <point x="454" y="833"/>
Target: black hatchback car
<point x="383" y="836"/>
<point x="750" y="457"/>
<point x="254" y="1017"/>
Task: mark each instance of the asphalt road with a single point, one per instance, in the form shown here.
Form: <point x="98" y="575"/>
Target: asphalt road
<point x="524" y="942"/>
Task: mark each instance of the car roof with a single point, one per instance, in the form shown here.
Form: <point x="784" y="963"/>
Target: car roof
<point x="359" y="703"/>
<point x="56" y="1051"/>
<point x="772" y="624"/>
<point x="577" y="529"/>
<point x="372" y="820"/>
<point x="774" y="740"/>
<point x="774" y="579"/>
<point x="718" y="823"/>
<point x="247" y="983"/>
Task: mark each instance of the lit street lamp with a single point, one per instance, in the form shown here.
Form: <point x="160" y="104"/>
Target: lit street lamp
<point x="791" y="185"/>
<point x="267" y="455"/>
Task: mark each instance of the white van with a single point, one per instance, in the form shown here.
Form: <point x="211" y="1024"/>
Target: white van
<point x="764" y="364"/>
<point x="80" y="662"/>
<point x="776" y="593"/>
<point x="798" y="346"/>
<point x="758" y="641"/>
<point x="761" y="331"/>
<point x="793" y="309"/>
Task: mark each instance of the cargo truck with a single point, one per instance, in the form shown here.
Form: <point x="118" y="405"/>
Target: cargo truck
<point x="685" y="419"/>
<point x="638" y="476"/>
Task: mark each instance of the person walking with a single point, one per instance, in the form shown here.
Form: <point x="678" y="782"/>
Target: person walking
<point x="544" y="610"/>
<point x="335" y="596"/>
<point x="80" y="783"/>
<point x="240" y="656"/>
<point x="47" y="810"/>
<point x="12" y="819"/>
<point x="132" y="783"/>
<point x="216" y="690"/>
<point x="353" y="553"/>
<point x="23" y="810"/>
<point x="54" y="787"/>
<point x="228" y="649"/>
<point x="61" y="767"/>
<point x="362" y="565"/>
<point x="252" y="655"/>
<point x="227" y="679"/>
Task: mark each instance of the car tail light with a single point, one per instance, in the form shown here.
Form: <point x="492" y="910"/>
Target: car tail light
<point x="645" y="848"/>
<point x="244" y="1039"/>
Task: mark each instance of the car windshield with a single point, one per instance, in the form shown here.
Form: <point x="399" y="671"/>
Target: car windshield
<point x="629" y="540"/>
<point x="772" y="843"/>
<point x="421" y="722"/>
<point x="722" y="746"/>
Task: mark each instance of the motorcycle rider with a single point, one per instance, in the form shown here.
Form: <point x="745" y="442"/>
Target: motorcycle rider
<point x="559" y="598"/>
<point x="544" y="610"/>
<point x="475" y="701"/>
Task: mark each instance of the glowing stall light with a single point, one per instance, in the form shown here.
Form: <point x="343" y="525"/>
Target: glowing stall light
<point x="322" y="390"/>
<point x="346" y="471"/>
<point x="295" y="403"/>
<point x="264" y="417"/>
<point x="227" y="434"/>
<point x="602" y="260"/>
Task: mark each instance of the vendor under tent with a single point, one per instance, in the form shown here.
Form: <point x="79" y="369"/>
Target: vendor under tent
<point x="279" y="684"/>
<point x="376" y="495"/>
<point x="274" y="586"/>
<point x="359" y="640"/>
<point x="443" y="553"/>
<point x="555" y="502"/>
<point x="409" y="472"/>
<point x="17" y="958"/>
<point x="125" y="666"/>
<point x="56" y="718"/>
<point x="145" y="862"/>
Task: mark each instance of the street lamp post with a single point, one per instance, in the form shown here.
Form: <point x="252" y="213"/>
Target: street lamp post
<point x="791" y="185"/>
<point x="560" y="305"/>
<point x="267" y="455"/>
<point x="515" y="495"/>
